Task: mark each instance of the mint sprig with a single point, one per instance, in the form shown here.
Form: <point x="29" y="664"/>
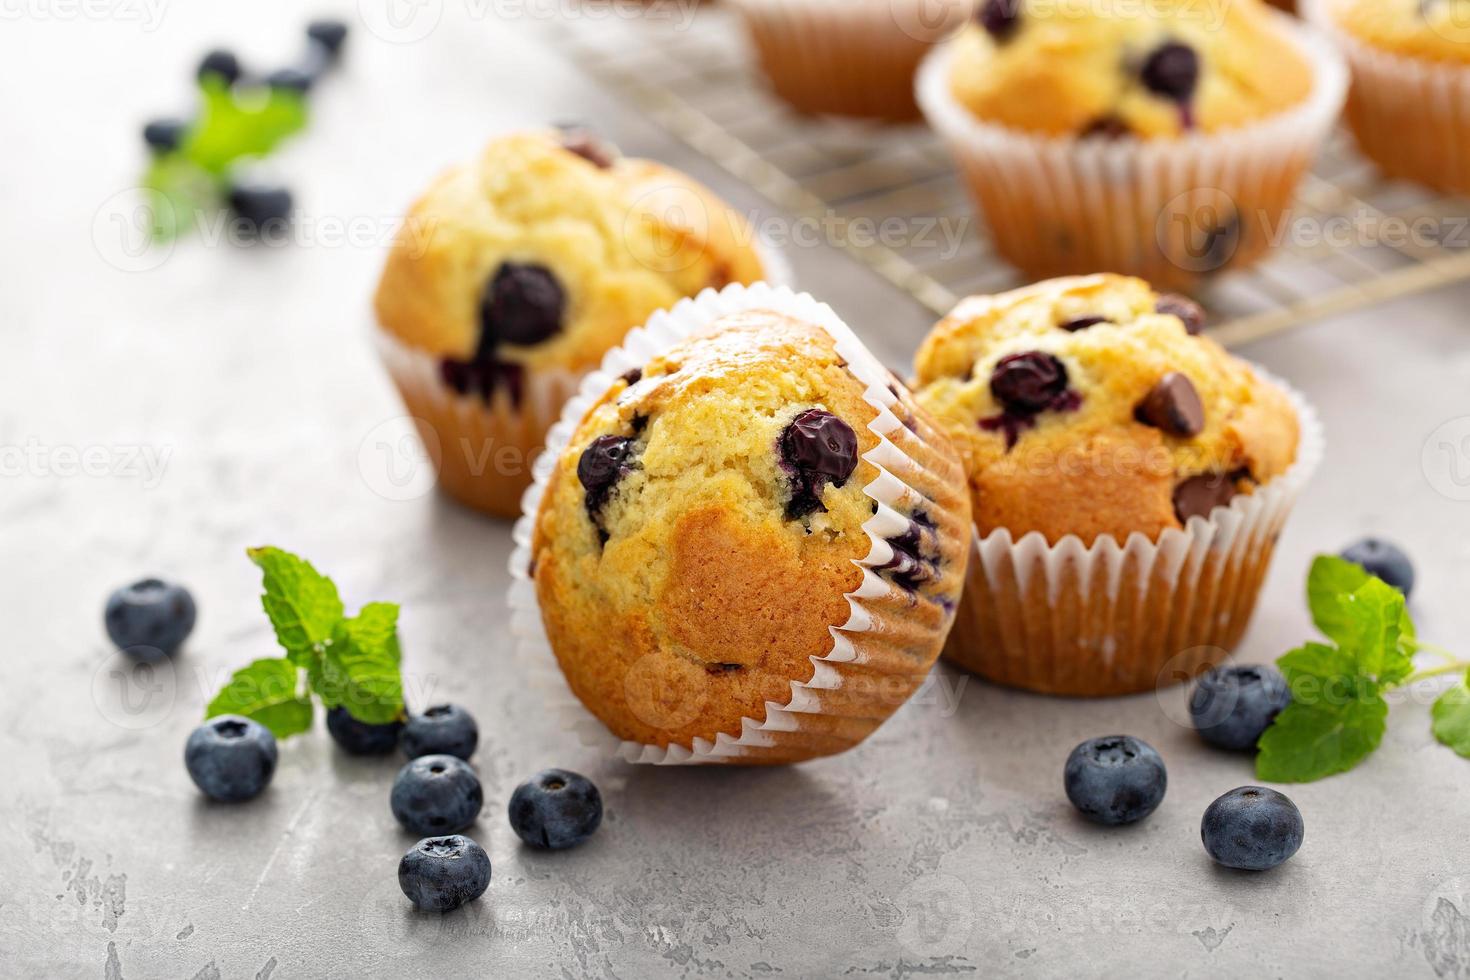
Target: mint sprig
<point x="1339" y="712"/>
<point x="349" y="662"/>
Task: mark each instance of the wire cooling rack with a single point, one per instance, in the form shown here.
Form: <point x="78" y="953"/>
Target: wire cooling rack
<point x="1368" y="240"/>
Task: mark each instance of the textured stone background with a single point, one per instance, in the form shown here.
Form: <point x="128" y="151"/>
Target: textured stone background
<point x="942" y="846"/>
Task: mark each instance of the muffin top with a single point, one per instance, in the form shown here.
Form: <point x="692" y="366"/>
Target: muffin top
<point x="546" y="249"/>
<point x="1090" y="406"/>
<point x="700" y="531"/>
<point x="1069" y="67"/>
<point x="1438" y="30"/>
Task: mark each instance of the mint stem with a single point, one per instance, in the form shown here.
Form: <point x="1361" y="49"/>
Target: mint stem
<point x="1434" y="648"/>
<point x="1421" y="675"/>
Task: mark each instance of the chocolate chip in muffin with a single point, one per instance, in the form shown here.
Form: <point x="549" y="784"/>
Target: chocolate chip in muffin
<point x="631" y="378"/>
<point x="523" y="306"/>
<point x="1173" y="405"/>
<point x="818" y="448"/>
<point x="1198" y="495"/>
<point x="1190" y="313"/>
<point x="1000" y="18"/>
<point x="588" y="145"/>
<point x="1172" y="71"/>
<point x="1028" y="383"/>
<point x="1082" y="323"/>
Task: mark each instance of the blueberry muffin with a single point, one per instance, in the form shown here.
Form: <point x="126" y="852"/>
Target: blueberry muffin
<point x="742" y="533"/>
<point x="1064" y="69"/>
<point x="515" y="273"/>
<point x="1411" y="84"/>
<point x="1163" y="140"/>
<point x="1095" y="420"/>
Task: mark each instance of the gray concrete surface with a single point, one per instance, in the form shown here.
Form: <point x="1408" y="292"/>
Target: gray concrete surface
<point x="223" y="398"/>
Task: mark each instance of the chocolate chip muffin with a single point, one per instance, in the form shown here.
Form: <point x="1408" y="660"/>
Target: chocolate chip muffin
<point x="1095" y="420"/>
<point x="1411" y="83"/>
<point x="1163" y="140"/>
<point x="515" y="273"/>
<point x="751" y="545"/>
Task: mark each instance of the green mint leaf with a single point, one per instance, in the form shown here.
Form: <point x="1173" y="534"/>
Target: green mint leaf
<point x="269" y="692"/>
<point x="235" y="123"/>
<point x="302" y="603"/>
<point x="1313" y="739"/>
<point x="1316" y="661"/>
<point x="1329" y="584"/>
<point x="359" y="668"/>
<point x="1375" y="611"/>
<point x="1451" y="714"/>
<point x="178" y="189"/>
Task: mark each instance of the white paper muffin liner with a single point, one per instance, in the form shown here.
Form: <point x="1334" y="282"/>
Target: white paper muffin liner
<point x="482" y="450"/>
<point x="848" y="57"/>
<point x="1409" y="115"/>
<point x="1116" y="618"/>
<point x="1163" y="210"/>
<point x="882" y="634"/>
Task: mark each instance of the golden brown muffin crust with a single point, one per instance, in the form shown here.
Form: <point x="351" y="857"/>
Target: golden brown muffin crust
<point x="1435" y="30"/>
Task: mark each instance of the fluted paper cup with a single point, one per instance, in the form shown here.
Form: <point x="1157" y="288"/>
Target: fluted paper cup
<point x="1121" y="617"/>
<point x="1169" y="211"/>
<point x="1411" y="116"/>
<point x="884" y="649"/>
<point x="848" y="57"/>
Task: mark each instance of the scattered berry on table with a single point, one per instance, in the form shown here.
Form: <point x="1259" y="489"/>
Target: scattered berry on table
<point x="360" y="738"/>
<point x="260" y="206"/>
<point x="436" y="794"/>
<point x="1252" y="828"/>
<point x="439" y="874"/>
<point x="164" y="135"/>
<point x="1385" y="560"/>
<point x="444" y="729"/>
<point x="1232" y="706"/>
<point x="555" y="808"/>
<point x="221" y="63"/>
<point x="329" y="34"/>
<point x="231" y="758"/>
<point x="1115" y="779"/>
<point x="291" y="79"/>
<point x="150" y="618"/>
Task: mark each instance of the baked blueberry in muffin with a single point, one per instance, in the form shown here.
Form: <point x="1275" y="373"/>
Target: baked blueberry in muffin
<point x="514" y="274"/>
<point x="703" y="535"/>
<point x="1089" y="406"/>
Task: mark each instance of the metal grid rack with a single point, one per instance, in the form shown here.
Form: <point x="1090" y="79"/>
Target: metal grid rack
<point x="698" y="80"/>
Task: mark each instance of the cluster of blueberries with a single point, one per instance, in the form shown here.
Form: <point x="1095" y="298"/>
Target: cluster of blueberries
<point x="1113" y="780"/>
<point x="436" y="794"/>
<point x="258" y="203"/>
<point x="1119" y="779"/>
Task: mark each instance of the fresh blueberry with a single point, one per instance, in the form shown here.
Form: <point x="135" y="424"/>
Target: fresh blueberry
<point x="328" y="34"/>
<point x="555" y="809"/>
<point x="1232" y="706"/>
<point x="436" y="794"/>
<point x="522" y="305"/>
<point x="439" y="874"/>
<point x="221" y="63"/>
<point x="444" y="729"/>
<point x="1385" y="560"/>
<point x="360" y="738"/>
<point x="1252" y="828"/>
<point x="231" y="758"/>
<point x="260" y="206"/>
<point x="291" y="80"/>
<point x="150" y="618"/>
<point x="164" y="135"/>
<point x="1116" y="779"/>
<point x="1000" y="18"/>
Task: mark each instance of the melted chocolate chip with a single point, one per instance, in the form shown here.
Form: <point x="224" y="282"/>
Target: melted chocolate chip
<point x="1199" y="495"/>
<point x="1028" y="383"/>
<point x="1174" y="406"/>
<point x="523" y="305"/>
<point x="1187" y="310"/>
<point x="632" y="377"/>
<point x="1082" y="323"/>
<point x="1172" y="71"/>
<point x="818" y="448"/>
<point x="1107" y="127"/>
<point x="1000" y="18"/>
